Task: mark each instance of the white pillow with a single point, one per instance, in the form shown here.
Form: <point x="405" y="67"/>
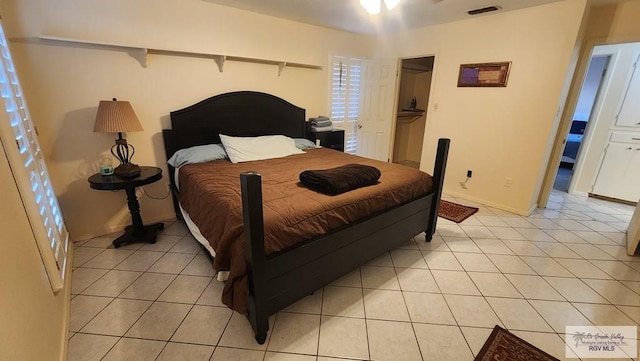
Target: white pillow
<point x="245" y="149"/>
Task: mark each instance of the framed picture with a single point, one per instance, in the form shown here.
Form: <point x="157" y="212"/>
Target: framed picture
<point x="484" y="74"/>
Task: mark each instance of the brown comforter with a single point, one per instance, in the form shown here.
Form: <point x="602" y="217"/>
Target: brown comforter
<point x="210" y="194"/>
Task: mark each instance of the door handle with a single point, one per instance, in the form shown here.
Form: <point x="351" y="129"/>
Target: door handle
<point x="359" y="126"/>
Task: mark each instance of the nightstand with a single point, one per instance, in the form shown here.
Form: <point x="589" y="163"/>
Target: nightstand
<point x="333" y="139"/>
<point x="137" y="232"/>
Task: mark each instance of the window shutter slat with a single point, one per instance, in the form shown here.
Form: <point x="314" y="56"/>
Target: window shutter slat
<point x="345" y="97"/>
<point x="31" y="174"/>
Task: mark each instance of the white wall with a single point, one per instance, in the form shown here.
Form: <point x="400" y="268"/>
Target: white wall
<point x="33" y="321"/>
<point x="63" y="84"/>
<point x="498" y="133"/>
<point x="633" y="232"/>
<point x="615" y="22"/>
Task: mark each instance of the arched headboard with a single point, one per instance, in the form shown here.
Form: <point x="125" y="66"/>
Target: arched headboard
<point x="243" y="113"/>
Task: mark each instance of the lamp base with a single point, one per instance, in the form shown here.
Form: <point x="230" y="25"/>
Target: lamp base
<point x="128" y="170"/>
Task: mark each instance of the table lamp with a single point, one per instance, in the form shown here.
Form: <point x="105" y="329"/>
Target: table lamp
<point x="117" y="116"/>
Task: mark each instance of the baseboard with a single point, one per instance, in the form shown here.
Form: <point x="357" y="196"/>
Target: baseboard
<point x="578" y="193"/>
<point x="116" y="228"/>
<point x="492" y="204"/>
<point x="612" y="199"/>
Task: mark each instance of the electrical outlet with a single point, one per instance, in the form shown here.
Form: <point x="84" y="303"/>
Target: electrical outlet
<point x="469" y="173"/>
<point x="507" y="182"/>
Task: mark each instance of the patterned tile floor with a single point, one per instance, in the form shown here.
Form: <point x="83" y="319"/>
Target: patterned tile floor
<point x="563" y="265"/>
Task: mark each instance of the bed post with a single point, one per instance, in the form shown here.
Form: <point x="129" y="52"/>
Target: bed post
<point x="257" y="312"/>
<point x="438" y="182"/>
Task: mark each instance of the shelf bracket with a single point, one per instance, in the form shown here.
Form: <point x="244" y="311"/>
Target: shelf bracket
<point x="281" y="66"/>
<point x="140" y="54"/>
<point x="220" y="59"/>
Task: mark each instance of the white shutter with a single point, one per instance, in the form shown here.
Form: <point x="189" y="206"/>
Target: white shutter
<point x="29" y="169"/>
<point x="345" y="97"/>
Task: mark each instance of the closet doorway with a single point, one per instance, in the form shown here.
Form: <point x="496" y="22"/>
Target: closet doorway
<point x="413" y="99"/>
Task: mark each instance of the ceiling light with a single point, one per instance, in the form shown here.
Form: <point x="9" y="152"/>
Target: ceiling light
<point x="373" y="6"/>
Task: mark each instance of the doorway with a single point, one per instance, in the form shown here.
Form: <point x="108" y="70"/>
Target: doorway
<point x="413" y="98"/>
<point x="589" y="92"/>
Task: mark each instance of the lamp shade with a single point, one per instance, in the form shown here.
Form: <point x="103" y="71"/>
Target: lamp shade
<point x="116" y="116"/>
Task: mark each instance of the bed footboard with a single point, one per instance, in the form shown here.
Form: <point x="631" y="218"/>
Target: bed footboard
<point x="438" y="182"/>
<point x="257" y="305"/>
<point x="276" y="282"/>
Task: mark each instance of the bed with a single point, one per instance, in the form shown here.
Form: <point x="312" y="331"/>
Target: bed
<point x="277" y="276"/>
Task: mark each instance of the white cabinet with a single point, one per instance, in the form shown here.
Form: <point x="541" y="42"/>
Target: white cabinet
<point x="619" y="172"/>
<point x="619" y="175"/>
<point x="629" y="110"/>
<point x="633" y="232"/>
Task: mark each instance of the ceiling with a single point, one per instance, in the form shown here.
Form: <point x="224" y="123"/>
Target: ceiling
<point x="348" y="15"/>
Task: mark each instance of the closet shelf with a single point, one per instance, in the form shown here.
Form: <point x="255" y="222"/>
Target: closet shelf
<point x="409" y="116"/>
<point x="141" y="54"/>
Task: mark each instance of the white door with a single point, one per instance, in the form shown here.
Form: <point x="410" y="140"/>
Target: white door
<point x="629" y="113"/>
<point x="619" y="173"/>
<point x="377" y="108"/>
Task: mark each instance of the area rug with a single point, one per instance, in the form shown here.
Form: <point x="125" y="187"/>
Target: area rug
<point x="454" y="211"/>
<point x="503" y="345"/>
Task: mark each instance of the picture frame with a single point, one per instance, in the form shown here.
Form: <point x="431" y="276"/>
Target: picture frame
<point x="484" y="74"/>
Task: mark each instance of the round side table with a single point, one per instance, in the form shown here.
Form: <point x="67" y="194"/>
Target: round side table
<point x="137" y="231"/>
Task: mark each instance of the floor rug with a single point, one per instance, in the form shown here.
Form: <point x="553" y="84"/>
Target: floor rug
<point x="454" y="211"/>
<point x="503" y="345"/>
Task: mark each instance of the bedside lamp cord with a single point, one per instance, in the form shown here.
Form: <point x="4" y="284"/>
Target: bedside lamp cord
<point x="156" y="198"/>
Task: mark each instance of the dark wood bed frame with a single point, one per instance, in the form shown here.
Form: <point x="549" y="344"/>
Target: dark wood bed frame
<point x="277" y="281"/>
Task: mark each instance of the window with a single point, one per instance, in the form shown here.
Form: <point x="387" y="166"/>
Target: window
<point x="345" y="97"/>
<point x="30" y="172"/>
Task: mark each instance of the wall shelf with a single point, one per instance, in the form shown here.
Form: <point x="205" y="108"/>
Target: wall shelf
<point x="141" y="54"/>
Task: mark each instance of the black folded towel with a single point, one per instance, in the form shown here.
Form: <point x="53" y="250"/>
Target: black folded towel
<point x="340" y="179"/>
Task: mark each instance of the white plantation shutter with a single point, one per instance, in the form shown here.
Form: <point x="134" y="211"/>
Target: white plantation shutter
<point x="345" y="97"/>
<point x="30" y="172"/>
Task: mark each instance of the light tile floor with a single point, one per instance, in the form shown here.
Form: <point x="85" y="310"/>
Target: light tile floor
<point x="563" y="265"/>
